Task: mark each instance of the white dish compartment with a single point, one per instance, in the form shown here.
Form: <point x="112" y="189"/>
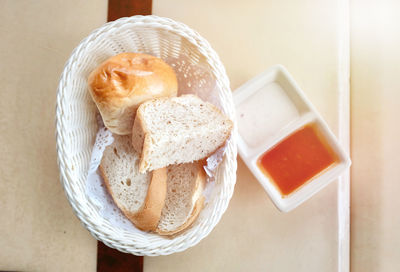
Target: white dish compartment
<point x="270" y="107"/>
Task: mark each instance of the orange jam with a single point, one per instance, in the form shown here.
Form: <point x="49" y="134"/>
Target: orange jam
<point x="297" y="159"/>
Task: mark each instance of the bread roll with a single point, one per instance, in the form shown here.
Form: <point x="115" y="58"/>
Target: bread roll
<point x="178" y="130"/>
<point x="121" y="83"/>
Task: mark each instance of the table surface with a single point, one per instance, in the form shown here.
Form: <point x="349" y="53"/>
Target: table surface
<point x="253" y="235"/>
<point x="38" y="229"/>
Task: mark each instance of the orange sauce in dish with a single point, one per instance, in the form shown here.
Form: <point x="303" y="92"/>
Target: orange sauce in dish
<point x="297" y="159"/>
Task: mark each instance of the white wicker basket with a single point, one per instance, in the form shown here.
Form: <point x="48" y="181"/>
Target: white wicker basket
<point x="184" y="49"/>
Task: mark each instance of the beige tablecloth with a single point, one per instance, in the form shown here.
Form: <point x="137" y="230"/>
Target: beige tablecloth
<point x="38" y="230"/>
<point x="250" y="37"/>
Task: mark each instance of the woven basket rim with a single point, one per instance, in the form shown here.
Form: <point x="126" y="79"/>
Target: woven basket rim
<point x="101" y="232"/>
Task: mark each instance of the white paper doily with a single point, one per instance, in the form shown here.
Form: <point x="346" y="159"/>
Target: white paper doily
<point x="102" y="200"/>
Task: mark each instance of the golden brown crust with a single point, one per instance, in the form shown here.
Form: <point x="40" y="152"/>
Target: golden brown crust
<point x="138" y="133"/>
<point x="148" y="216"/>
<point x="195" y="213"/>
<point x="121" y="83"/>
<point x="198" y="206"/>
<point x="140" y="141"/>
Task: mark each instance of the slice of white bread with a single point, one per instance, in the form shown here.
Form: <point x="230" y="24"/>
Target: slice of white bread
<point x="140" y="197"/>
<point x="184" y="199"/>
<point x="177" y="130"/>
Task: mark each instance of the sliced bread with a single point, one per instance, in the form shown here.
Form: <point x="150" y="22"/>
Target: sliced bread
<point x="184" y="199"/>
<point x="140" y="197"/>
<point x="177" y="130"/>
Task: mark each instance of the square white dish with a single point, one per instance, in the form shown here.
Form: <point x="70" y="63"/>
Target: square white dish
<point x="270" y="107"/>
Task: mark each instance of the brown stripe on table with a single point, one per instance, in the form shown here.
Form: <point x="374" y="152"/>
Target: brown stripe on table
<point x="109" y="259"/>
<point x="126" y="8"/>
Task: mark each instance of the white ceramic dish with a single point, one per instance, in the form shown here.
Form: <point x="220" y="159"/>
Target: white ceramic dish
<point x="270" y="107"/>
